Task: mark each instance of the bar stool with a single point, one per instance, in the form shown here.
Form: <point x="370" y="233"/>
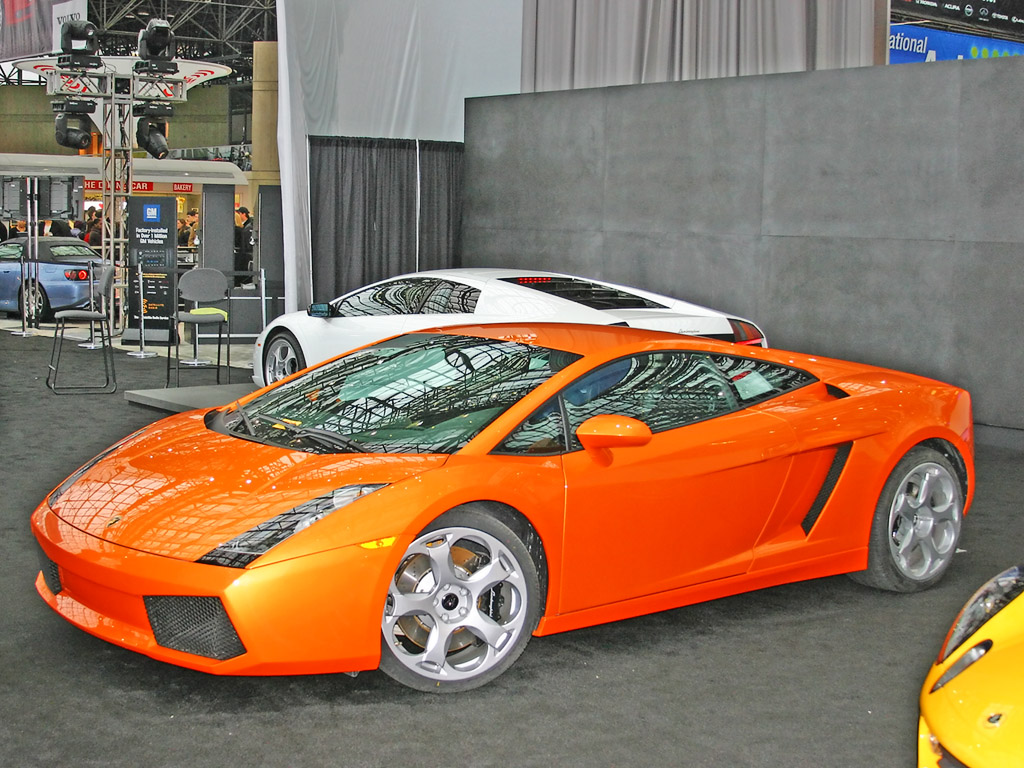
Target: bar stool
<point x="100" y="287"/>
<point x="201" y="286"/>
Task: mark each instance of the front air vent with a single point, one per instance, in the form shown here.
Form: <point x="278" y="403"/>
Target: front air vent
<point x="196" y="625"/>
<point x="51" y="573"/>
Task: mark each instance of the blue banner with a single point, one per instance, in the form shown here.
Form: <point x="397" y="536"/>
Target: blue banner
<point x="910" y="43"/>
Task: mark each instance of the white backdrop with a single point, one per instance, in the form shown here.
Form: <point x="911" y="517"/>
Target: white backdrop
<point x="403" y="68"/>
<point x="398" y="69"/>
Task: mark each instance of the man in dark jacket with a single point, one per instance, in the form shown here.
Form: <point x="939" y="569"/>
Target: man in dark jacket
<point x="243" y="246"/>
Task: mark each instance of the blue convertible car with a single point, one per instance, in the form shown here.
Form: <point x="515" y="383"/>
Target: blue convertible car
<point x="63" y="274"/>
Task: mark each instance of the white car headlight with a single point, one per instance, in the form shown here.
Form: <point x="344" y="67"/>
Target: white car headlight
<point x="243" y="549"/>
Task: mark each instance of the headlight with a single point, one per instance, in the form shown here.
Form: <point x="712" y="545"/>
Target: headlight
<point x="242" y="550"/>
<point x="971" y="656"/>
<point x="986" y="603"/>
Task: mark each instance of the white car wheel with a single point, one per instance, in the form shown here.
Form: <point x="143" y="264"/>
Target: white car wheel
<point x="282" y="357"/>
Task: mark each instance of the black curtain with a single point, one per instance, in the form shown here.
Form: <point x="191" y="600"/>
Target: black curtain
<point x="440" y="204"/>
<point x="363" y="209"/>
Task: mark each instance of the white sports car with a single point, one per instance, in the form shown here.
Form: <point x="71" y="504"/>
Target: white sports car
<point x="475" y="295"/>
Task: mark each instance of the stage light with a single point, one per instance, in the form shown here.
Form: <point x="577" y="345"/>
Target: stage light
<point x="151" y="136"/>
<point x="156" y="48"/>
<point x="79" y="45"/>
<point x="72" y="126"/>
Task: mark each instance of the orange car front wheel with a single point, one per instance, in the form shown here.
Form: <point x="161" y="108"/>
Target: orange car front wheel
<point x="461" y="606"/>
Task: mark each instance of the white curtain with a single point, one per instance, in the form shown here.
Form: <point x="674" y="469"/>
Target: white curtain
<point x="402" y="69"/>
<point x="394" y="69"/>
<point x="597" y="43"/>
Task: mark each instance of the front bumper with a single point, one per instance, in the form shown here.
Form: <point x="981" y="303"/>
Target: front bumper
<point x="930" y="751"/>
<point x="311" y="614"/>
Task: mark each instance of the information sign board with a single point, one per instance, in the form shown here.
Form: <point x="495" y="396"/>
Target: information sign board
<point x="152" y="252"/>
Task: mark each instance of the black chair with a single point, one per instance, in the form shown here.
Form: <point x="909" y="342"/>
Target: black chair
<point x="205" y="287"/>
<point x="101" y="287"/>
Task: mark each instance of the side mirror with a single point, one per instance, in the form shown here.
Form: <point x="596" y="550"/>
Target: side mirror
<point x="602" y="432"/>
<point x="320" y="310"/>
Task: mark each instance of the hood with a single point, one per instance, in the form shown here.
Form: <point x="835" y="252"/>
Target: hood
<point x="978" y="715"/>
<point x="178" y="489"/>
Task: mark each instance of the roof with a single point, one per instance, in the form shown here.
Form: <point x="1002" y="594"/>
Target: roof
<point x="143" y="168"/>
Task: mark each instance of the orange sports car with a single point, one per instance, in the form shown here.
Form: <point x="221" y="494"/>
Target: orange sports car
<point x="425" y="504"/>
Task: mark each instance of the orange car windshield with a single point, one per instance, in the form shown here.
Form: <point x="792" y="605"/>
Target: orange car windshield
<point x="418" y="393"/>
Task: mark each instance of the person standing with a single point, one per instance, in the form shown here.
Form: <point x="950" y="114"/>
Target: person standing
<point x="60" y="228"/>
<point x="243" y="244"/>
<point x="192" y="223"/>
<point x="94" y="236"/>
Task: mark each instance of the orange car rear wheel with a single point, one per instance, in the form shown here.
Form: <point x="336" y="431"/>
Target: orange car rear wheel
<point x="461" y="606"/>
<point x="917" y="524"/>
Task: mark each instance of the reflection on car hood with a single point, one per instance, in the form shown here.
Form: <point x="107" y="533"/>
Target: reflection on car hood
<point x="179" y="489"/>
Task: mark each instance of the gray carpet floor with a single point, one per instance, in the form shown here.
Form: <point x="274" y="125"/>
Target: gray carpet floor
<point x="822" y="673"/>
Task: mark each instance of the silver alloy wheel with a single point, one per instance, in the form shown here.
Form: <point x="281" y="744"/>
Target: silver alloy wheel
<point x="457" y="606"/>
<point x="40" y="302"/>
<point x="282" y="358"/>
<point x="924" y="521"/>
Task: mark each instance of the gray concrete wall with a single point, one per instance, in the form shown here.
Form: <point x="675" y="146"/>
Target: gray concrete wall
<point x="872" y="214"/>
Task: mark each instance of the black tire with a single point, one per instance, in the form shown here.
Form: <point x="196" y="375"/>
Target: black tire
<point x="282" y="356"/>
<point x="484" y="623"/>
<point x="916" y="525"/>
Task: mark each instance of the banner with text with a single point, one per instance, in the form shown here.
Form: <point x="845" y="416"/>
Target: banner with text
<point x="32" y="27"/>
<point x="910" y="43"/>
<point x="152" y="259"/>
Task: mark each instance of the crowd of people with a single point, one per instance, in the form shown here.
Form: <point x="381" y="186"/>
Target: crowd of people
<point x="89" y="228"/>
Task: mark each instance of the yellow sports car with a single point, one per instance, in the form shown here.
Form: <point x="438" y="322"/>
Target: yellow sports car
<point x="972" y="703"/>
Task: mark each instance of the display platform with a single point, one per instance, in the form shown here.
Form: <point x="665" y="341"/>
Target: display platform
<point x="170" y="399"/>
<point x="180" y="399"/>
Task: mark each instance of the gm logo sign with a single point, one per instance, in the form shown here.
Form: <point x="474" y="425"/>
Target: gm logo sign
<point x="151" y="212"/>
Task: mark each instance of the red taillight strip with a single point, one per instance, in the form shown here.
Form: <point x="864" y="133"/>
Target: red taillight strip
<point x="746" y="333"/>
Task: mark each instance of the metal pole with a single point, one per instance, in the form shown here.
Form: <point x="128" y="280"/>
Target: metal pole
<point x="25" y="277"/>
<point x="28" y="302"/>
<point x="263" y="299"/>
<point x="142" y="351"/>
<point x="33" y="250"/>
<point x="91" y="343"/>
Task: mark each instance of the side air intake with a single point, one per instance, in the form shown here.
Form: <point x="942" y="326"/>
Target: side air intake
<point x="825" y="492"/>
